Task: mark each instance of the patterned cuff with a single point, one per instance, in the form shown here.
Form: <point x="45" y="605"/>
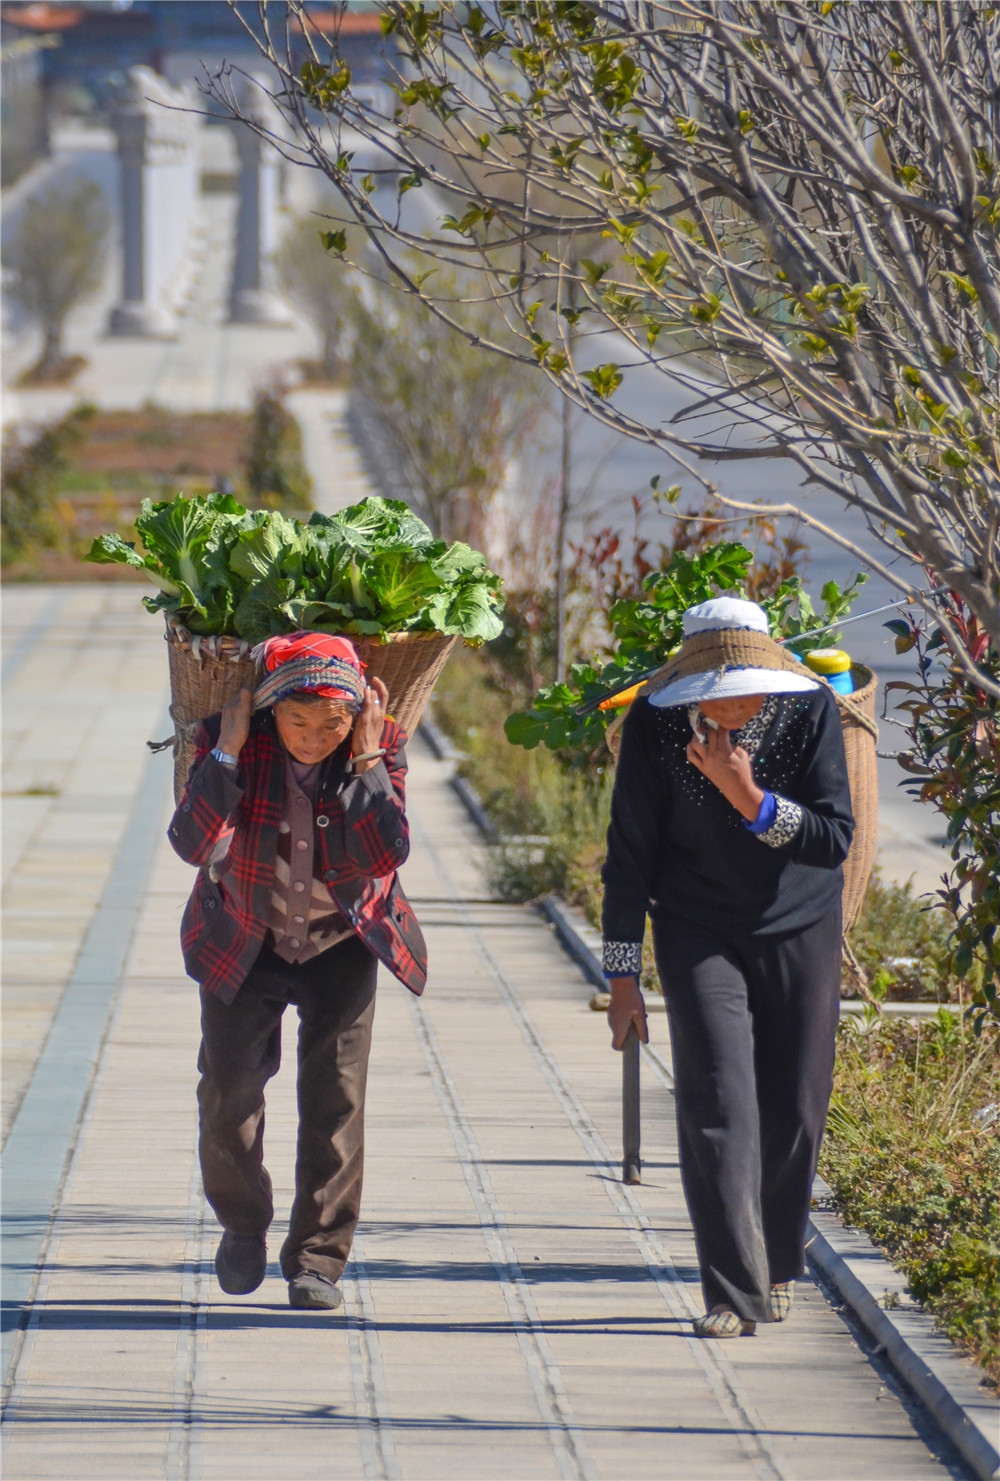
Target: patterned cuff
<point x="766" y="814"/>
<point x="622" y="958"/>
<point x="787" y="822"/>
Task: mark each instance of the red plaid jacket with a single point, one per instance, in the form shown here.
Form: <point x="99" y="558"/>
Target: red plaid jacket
<point x="361" y="838"/>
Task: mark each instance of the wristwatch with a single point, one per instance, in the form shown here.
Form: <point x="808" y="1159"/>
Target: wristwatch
<point x="224" y="756"/>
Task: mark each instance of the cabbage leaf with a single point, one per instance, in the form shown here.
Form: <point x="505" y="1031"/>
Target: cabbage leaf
<point x="372" y="568"/>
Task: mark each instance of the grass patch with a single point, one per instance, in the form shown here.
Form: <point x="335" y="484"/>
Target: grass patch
<point x="904" y="943"/>
<point x="552" y="819"/>
<point x="912" y="1153"/>
<point x="115" y="459"/>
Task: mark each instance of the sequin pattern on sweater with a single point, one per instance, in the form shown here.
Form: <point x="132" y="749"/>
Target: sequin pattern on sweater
<point x="776" y="769"/>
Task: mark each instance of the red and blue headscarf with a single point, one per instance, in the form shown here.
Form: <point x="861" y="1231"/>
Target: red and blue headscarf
<point x="326" y="665"/>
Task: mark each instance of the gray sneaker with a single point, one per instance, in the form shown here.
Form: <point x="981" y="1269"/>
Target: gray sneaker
<point x="314" y="1292"/>
<point x="241" y="1262"/>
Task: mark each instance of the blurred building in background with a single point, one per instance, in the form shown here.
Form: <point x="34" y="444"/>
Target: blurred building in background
<point x="66" y="60"/>
<point x="26" y="33"/>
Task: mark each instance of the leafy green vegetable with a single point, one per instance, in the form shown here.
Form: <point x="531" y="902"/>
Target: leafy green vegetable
<point x="401" y="584"/>
<point x="647" y="631"/>
<point x="471" y="613"/>
<point x="109" y="549"/>
<point x="372" y="568"/>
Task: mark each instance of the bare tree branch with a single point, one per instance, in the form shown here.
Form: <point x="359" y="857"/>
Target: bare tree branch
<point x="799" y="202"/>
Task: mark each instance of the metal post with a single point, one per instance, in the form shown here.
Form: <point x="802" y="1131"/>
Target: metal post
<point x="631" y="1161"/>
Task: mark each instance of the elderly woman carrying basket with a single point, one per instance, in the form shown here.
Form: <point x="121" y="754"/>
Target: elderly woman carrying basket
<point x="730" y="820"/>
<point x="294" y="813"/>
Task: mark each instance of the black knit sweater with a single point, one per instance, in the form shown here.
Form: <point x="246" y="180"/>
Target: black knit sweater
<point x="677" y="849"/>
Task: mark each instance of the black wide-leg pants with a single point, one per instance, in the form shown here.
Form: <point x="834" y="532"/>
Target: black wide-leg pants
<point x="240" y="1051"/>
<point x="752" y="1027"/>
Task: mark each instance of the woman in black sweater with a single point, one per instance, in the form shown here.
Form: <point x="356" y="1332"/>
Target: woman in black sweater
<point x="730" y="820"/>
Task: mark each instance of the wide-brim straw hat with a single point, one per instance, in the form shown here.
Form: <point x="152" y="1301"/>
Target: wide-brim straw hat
<point x="726" y="654"/>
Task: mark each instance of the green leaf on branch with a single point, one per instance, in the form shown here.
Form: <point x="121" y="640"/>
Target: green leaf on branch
<point x="603" y="379"/>
<point x="334" y="241"/>
<point x="595" y="271"/>
<point x="472" y="217"/>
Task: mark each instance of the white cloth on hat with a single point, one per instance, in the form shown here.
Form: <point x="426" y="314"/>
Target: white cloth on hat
<point x="731" y="683"/>
<point x="724" y="612"/>
<point x="728" y="681"/>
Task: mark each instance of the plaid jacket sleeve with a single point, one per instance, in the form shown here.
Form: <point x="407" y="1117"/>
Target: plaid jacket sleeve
<point x="211" y="797"/>
<point x="376" y="833"/>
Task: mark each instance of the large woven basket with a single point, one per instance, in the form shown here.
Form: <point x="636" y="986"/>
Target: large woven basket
<point x="862" y="777"/>
<point x="408" y="665"/>
<point x="207" y="672"/>
<point x="204" y="674"/>
<point x="857" y="718"/>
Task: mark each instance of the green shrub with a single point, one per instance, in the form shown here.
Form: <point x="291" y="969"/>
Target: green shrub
<point x="275" y="472"/>
<point x="32" y="468"/>
<point x="554" y="819"/>
<point x="904" y="943"/>
<point x="912" y="1153"/>
<point x="565" y="854"/>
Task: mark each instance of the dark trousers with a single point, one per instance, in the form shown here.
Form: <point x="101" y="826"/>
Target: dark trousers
<point x="752" y="1026"/>
<point x="241" y="1050"/>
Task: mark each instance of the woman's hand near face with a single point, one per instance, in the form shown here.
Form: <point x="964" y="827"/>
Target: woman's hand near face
<point x="728" y="768"/>
<point x="367" y="735"/>
<point x="235" y="725"/>
<point x="626" y="1009"/>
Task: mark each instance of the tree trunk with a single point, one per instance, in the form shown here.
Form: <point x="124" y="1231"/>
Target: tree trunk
<point x="560" y="552"/>
<point x="331" y="360"/>
<point x="52" y="345"/>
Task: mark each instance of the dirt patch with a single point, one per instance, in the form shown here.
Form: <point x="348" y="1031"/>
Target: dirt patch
<point x="55" y="373"/>
<point x="163" y="444"/>
<point x="128" y="456"/>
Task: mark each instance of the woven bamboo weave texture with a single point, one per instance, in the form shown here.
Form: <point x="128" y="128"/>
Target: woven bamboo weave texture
<point x="408" y="665"/>
<point x="205" y="674"/>
<point x="726" y="646"/>
<point x="862" y="777"/>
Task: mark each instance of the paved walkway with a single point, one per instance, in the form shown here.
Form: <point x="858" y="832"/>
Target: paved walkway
<point x="85" y="686"/>
<point x="512" y="1311"/>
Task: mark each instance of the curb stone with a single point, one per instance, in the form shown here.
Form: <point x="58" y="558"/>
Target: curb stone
<point x="444" y="750"/>
<point x="949" y="1385"/>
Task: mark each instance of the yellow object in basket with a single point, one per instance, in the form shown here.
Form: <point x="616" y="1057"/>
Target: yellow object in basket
<point x="829" y="661"/>
<point x="616" y="701"/>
